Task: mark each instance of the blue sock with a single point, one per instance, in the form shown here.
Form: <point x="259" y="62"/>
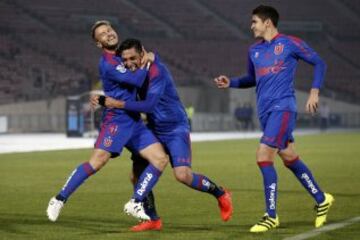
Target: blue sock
<point x="146" y="182"/>
<point x="270" y="187"/>
<point x="204" y="184"/>
<point x="303" y="174"/>
<point x="149" y="206"/>
<point x="77" y="177"/>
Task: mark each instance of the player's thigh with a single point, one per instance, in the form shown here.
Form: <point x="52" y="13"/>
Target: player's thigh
<point x="278" y="128"/>
<point x="156" y="155"/>
<point x="140" y="139"/>
<point x="289" y="153"/>
<point x="114" y="135"/>
<point x="146" y="145"/>
<point x="178" y="146"/>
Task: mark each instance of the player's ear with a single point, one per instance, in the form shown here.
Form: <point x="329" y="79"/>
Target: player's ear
<point x="98" y="44"/>
<point x="268" y="22"/>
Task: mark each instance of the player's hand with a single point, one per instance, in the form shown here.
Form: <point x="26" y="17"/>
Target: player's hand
<point x="147" y="59"/>
<point x="222" y="81"/>
<point x="312" y="103"/>
<point x="94" y="101"/>
<point x="113" y="103"/>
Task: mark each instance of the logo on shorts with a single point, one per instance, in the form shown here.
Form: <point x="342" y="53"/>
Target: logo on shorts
<point x="108" y="141"/>
<point x="121" y="68"/>
<point x="279" y="48"/>
<point x="113" y="129"/>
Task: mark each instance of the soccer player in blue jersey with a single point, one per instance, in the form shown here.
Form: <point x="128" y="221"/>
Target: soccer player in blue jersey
<point x="167" y="119"/>
<point x="119" y="128"/>
<point x="272" y="62"/>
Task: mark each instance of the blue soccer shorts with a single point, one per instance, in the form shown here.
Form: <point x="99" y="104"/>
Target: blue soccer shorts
<point x="278" y="128"/>
<point x="117" y="132"/>
<point x="177" y="145"/>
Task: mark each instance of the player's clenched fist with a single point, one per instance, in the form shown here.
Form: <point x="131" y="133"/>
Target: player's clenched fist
<point x="222" y="81"/>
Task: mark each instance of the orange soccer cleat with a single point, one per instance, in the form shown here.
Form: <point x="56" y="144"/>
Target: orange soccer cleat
<point x="225" y="205"/>
<point x="151" y="225"/>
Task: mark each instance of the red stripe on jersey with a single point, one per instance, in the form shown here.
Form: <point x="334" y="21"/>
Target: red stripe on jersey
<point x="109" y="57"/>
<point x="153" y="72"/>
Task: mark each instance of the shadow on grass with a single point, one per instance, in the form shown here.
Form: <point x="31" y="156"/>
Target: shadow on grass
<point x="18" y="223"/>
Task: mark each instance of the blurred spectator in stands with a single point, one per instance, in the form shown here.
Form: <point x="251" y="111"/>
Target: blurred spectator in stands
<point x="239" y="116"/>
<point x="190" y="110"/>
<point x="324" y="116"/>
<point x="244" y="117"/>
<point x="248" y="117"/>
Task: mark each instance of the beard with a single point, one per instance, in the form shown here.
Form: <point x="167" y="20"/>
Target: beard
<point x="112" y="47"/>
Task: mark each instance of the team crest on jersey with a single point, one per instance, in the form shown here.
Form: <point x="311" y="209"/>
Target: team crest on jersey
<point x="113" y="129"/>
<point x="256" y="55"/>
<point x="108" y="141"/>
<point x="279" y="48"/>
<point x="121" y="68"/>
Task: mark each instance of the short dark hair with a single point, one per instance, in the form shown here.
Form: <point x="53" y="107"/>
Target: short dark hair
<point x="128" y="44"/>
<point x="98" y="24"/>
<point x="267" y="12"/>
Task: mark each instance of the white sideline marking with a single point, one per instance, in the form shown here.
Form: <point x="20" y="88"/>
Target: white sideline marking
<point x="327" y="228"/>
<point x="10" y="143"/>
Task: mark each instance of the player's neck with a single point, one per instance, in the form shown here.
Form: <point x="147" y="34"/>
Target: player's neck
<point x="109" y="51"/>
<point x="271" y="34"/>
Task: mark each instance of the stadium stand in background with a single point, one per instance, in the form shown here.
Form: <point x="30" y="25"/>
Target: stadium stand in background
<point x="46" y="50"/>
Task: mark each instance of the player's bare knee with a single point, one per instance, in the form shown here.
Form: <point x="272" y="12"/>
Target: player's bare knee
<point x="160" y="160"/>
<point x="99" y="159"/>
<point x="182" y="175"/>
<point x="265" y="154"/>
<point x="288" y="155"/>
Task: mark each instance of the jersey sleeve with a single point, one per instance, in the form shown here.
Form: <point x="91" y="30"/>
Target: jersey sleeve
<point x="155" y="90"/>
<point x="304" y="52"/>
<point x="246" y="81"/>
<point x="122" y="75"/>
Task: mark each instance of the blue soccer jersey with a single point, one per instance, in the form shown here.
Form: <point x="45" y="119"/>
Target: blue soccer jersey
<point x="165" y="113"/>
<point x="117" y="81"/>
<point x="271" y="68"/>
<point x="160" y="100"/>
<point x="119" y="127"/>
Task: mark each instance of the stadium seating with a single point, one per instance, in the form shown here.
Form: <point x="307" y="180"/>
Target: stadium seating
<point x="46" y="46"/>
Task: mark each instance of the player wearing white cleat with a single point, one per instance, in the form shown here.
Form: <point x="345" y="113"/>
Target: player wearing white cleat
<point x="54" y="209"/>
<point x="136" y="209"/>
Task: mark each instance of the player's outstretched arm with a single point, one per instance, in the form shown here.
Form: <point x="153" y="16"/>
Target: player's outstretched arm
<point x="313" y="101"/>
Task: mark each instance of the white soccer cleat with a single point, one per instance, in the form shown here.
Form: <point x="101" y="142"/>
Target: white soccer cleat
<point x="54" y="209"/>
<point x="136" y="209"/>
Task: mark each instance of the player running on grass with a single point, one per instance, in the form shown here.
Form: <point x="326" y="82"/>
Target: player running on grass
<point x="272" y="62"/>
<point x="168" y="121"/>
<point x="119" y="128"/>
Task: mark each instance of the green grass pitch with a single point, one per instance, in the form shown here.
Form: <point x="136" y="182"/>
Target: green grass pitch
<point x="28" y="180"/>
